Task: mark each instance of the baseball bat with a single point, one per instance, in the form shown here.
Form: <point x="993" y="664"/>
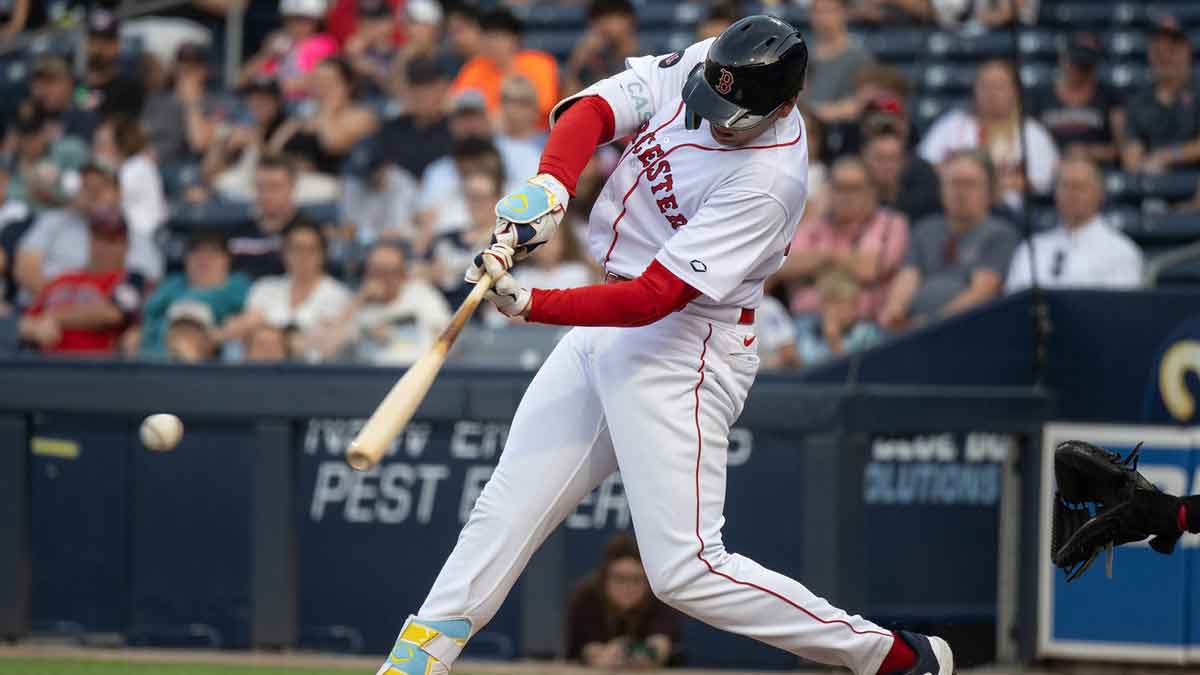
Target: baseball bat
<point x="401" y="402"/>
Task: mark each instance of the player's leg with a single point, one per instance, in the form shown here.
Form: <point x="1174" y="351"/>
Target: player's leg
<point x="557" y="451"/>
<point x="669" y="424"/>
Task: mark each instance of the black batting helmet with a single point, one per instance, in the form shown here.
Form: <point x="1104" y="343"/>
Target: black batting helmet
<point x="753" y="67"/>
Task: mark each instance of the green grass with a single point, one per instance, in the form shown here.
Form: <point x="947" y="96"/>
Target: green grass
<point x="72" y="667"/>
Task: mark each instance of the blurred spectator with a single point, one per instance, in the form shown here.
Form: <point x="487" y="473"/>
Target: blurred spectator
<point x="121" y="142"/>
<point x="420" y="135"/>
<point x="882" y="93"/>
<point x="841" y="328"/>
<point x="519" y="117"/>
<point x="980" y="15"/>
<point x="836" y="59"/>
<point x="322" y="141"/>
<point x="20" y="15"/>
<point x="106" y="91"/>
<point x="1083" y="251"/>
<point x="424" y="38"/>
<point x="52" y="89"/>
<point x="776" y="335"/>
<point x="291" y="54"/>
<point x="860" y="237"/>
<point x="373" y="46"/>
<point x="501" y="56"/>
<point x="393" y="319"/>
<point x="614" y="621"/>
<point x="230" y="161"/>
<point x="995" y="126"/>
<point x="378" y="199"/>
<point x="189" y="334"/>
<point x="721" y="15"/>
<point x="267" y="344"/>
<point x="85" y="311"/>
<point x="956" y="260"/>
<point x="256" y="244"/>
<point x="892" y="11"/>
<point x="903" y="181"/>
<point x="57" y="242"/>
<point x="43" y="167"/>
<point x="465" y="33"/>
<point x="206" y="280"/>
<point x="305" y="298"/>
<point x="469" y="119"/>
<point x="346" y="19"/>
<point x="610" y="38"/>
<point x="453" y="251"/>
<point x="559" y="263"/>
<point x="181" y="121"/>
<point x="1164" y="119"/>
<point x="15" y="219"/>
<point x="817" y="206"/>
<point x="1082" y="114"/>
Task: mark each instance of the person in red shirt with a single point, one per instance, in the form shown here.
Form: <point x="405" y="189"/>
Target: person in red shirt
<point x="85" y="311"/>
<point x="502" y="56"/>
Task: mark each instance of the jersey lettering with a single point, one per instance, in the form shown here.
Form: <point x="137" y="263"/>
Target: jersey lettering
<point x="667" y="184"/>
<point x="676" y="220"/>
<point x="650" y="155"/>
<point x="667" y="203"/>
<point x="651" y="158"/>
<point x="657" y="169"/>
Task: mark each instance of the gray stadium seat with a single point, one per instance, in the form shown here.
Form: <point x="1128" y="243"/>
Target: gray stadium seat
<point x="958" y="46"/>
<point x="1176" y="186"/>
<point x="1091" y="15"/>
<point x="896" y="44"/>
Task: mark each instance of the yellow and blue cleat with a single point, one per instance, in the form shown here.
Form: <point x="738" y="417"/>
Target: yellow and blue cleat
<point x="427" y="647"/>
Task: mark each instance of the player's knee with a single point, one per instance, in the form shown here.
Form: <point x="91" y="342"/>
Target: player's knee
<point x="675" y="584"/>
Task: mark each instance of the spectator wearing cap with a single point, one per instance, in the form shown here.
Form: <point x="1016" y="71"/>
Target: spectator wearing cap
<point x="721" y="15"/>
<point x="1083" y="251"/>
<point x="107" y="91"/>
<point x="956" y="260"/>
<point x="121" y="142"/>
<point x="15" y="219"/>
<point x="610" y="38"/>
<point x="840" y="328"/>
<point x="229" y="164"/>
<point x="52" y="89"/>
<point x="994" y="126"/>
<point x="57" y="242"/>
<point x="903" y="181"/>
<point x="1082" y="114"/>
<point x="322" y="141"/>
<point x="464" y="33"/>
<point x="837" y="57"/>
<point x="860" y="237"/>
<point x="43" y="165"/>
<point x="206" y="280"/>
<point x="304" y="298"/>
<point x="256" y="244"/>
<point x="85" y="311"/>
<point x="190" y="332"/>
<point x="1163" y="126"/>
<point x="502" y="56"/>
<point x="421" y="134"/>
<point x="292" y="53"/>
<point x="378" y="199"/>
<point x="393" y="318"/>
<point x="181" y="122"/>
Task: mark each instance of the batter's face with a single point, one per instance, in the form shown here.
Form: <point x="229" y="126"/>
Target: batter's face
<point x="625" y="584"/>
<point x="734" y="138"/>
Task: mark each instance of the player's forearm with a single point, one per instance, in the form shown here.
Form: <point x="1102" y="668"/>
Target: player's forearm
<point x="575" y="137"/>
<point x="88" y="316"/>
<point x="642" y="301"/>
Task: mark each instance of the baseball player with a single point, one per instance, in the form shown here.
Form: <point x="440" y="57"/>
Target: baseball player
<point x="698" y="212"/>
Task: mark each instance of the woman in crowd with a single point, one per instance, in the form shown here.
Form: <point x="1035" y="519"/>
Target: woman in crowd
<point x="305" y="299"/>
<point x="614" y="621"/>
<point x="322" y="141"/>
<point x="291" y="54"/>
<point x="121" y="143"/>
<point x="230" y="161"/>
<point x="994" y="125"/>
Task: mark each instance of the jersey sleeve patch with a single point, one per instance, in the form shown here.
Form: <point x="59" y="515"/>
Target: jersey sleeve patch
<point x="671" y="59"/>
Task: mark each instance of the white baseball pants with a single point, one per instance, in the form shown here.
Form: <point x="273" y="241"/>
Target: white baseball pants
<point x="656" y="402"/>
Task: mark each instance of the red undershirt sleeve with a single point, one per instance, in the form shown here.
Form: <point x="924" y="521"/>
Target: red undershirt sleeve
<point x="575" y="136"/>
<point x="638" y="302"/>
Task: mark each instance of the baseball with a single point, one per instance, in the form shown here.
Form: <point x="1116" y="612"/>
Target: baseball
<point x="161" y="432"/>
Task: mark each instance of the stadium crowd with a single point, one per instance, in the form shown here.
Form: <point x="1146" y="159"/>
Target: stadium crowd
<point x="325" y="209"/>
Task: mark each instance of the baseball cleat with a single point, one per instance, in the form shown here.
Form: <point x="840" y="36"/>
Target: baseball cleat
<point x="934" y="656"/>
<point x="426" y="647"/>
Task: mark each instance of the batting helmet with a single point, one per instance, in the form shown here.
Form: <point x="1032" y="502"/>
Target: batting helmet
<point x="752" y="68"/>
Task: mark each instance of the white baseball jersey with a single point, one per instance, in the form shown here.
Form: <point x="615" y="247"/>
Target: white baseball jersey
<point x="720" y="218"/>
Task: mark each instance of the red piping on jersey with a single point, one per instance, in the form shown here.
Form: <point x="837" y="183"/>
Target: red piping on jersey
<point x="700" y="552"/>
<point x="637" y="179"/>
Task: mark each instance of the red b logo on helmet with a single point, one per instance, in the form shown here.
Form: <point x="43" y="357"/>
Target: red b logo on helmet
<point x="725" y="84"/>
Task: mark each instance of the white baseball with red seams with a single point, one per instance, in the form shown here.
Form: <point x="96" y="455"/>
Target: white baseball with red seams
<point x="658" y="401"/>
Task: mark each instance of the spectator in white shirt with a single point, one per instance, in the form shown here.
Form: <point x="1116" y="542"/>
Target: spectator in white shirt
<point x="994" y="127"/>
<point x="394" y="318"/>
<point x="121" y="142"/>
<point x="304" y="299"/>
<point x="1083" y="251"/>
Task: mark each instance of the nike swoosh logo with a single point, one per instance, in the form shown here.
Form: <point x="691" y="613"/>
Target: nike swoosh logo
<point x="750" y="340"/>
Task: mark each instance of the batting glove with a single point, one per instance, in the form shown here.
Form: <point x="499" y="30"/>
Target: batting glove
<point x="508" y="295"/>
<point x="529" y="217"/>
<point x="499" y="257"/>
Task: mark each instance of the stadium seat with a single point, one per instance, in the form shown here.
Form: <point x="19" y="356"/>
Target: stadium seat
<point x="944" y="79"/>
<point x="1125" y="76"/>
<point x="1125" y="44"/>
<point x="1039" y="45"/>
<point x="1036" y="75"/>
<point x="325" y="212"/>
<point x="960" y="47"/>
<point x="554" y="17"/>
<point x="927" y="109"/>
<point x="1091" y="15"/>
<point x="557" y="43"/>
<point x="177" y="176"/>
<point x="1172" y="187"/>
<point x="1168" y="228"/>
<point x="214" y="214"/>
<point x="896" y="44"/>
